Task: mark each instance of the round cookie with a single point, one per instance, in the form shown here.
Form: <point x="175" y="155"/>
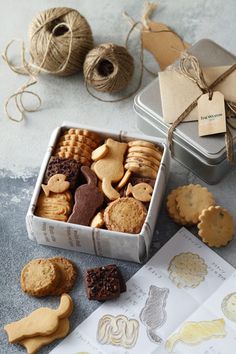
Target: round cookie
<point x="148" y="151"/>
<point x="144" y="156"/>
<point x="141" y="170"/>
<point x="142" y="161"/>
<point x="172" y="207"/>
<point x="191" y="200"/>
<point x="125" y="215"/>
<point x="39" y="277"/>
<point x="67" y="275"/>
<point x="216" y="226"/>
<point x="142" y="143"/>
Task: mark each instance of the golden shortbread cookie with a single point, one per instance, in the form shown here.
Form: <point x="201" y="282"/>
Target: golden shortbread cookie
<point x="141" y="169"/>
<point x="74" y="156"/>
<point x="144" y="156"/>
<point x="41" y="322"/>
<point x="67" y="275"/>
<point x="191" y="200"/>
<point x="141" y="143"/>
<point x="74" y="150"/>
<point x="172" y="207"/>
<point x="98" y="220"/>
<point x="79" y="138"/>
<point x="110" y="169"/>
<point x="74" y="144"/>
<point x="124" y="179"/>
<point x="85" y="132"/>
<point x="38" y="277"/>
<point x="100" y="152"/>
<point x="216" y="226"/>
<point x="149" y="151"/>
<point x="57" y="206"/>
<point x="32" y="345"/>
<point x="125" y="215"/>
<point x="56" y="184"/>
<point x="142" y="161"/>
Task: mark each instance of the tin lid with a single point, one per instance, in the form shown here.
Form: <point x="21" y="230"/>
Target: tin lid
<point x="148" y="103"/>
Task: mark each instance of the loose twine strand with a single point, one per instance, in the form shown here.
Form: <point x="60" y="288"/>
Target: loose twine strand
<point x="32" y="70"/>
<point x="189" y="67"/>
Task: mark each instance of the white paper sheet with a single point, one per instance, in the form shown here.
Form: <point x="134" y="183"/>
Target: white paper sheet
<point x="183" y="300"/>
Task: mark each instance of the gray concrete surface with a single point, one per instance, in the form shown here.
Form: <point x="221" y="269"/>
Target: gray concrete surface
<point x="23" y="145"/>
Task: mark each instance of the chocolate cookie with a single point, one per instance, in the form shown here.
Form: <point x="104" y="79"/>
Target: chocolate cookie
<point x="104" y="283"/>
<point x="69" y="168"/>
<point x="88" y="198"/>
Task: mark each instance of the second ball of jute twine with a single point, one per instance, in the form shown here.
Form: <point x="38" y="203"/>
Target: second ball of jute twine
<point x="108" y="68"/>
<point x="59" y="39"/>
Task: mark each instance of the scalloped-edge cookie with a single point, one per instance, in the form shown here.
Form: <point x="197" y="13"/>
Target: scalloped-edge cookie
<point x="191" y="200"/>
<point x="172" y="207"/>
<point x="216" y="226"/>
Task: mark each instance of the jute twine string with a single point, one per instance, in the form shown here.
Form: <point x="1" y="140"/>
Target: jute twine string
<point x="107" y="84"/>
<point x="190" y="68"/>
<point x="58" y="49"/>
<point x="110" y="55"/>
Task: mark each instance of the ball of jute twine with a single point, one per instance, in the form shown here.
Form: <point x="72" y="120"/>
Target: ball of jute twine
<point x="59" y="40"/>
<point x="108" y="68"/>
<point x="71" y="34"/>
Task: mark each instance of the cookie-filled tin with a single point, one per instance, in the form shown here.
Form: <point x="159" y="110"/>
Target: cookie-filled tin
<point x="205" y="156"/>
<point x="99" y="192"/>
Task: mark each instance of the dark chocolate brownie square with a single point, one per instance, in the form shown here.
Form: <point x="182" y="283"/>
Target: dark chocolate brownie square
<point x="68" y="167"/>
<point x="104" y="283"/>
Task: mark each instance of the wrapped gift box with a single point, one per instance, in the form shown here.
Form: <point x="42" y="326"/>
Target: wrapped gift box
<point x="205" y="156"/>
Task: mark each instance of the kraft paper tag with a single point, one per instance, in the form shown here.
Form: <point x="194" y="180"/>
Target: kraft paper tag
<point x="164" y="44"/>
<point x="211" y="114"/>
<point x="178" y="92"/>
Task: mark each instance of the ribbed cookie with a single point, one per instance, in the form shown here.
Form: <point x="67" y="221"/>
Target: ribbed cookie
<point x="125" y="215"/>
<point x="39" y="277"/>
<point x="67" y="275"/>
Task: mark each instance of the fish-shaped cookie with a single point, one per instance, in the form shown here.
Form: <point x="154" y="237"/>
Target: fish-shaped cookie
<point x="56" y="184"/>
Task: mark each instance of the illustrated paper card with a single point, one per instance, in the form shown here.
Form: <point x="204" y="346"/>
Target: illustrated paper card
<point x="181" y="301"/>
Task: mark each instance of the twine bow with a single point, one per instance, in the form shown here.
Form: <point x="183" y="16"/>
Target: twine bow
<point x="189" y="67"/>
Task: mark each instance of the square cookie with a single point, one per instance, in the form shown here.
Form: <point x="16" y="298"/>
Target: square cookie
<point x="104" y="283"/>
<point x="68" y="167"/>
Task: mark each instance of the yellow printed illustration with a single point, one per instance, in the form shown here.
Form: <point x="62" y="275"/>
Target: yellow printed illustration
<point x="229" y="307"/>
<point x="118" y="331"/>
<point x="187" y="270"/>
<point x="196" y="332"/>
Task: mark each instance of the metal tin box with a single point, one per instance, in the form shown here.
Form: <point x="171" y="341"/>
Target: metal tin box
<point x="131" y="247"/>
<point x="205" y="157"/>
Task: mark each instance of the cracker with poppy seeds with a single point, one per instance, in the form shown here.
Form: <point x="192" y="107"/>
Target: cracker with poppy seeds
<point x="104" y="283"/>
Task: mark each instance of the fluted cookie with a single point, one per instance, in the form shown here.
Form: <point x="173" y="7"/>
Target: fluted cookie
<point x="39" y="277"/>
<point x="125" y="215"/>
<point x="216" y="226"/>
<point x="172" y="207"/>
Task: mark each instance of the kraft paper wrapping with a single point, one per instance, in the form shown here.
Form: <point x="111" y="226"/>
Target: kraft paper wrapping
<point x="178" y="92"/>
